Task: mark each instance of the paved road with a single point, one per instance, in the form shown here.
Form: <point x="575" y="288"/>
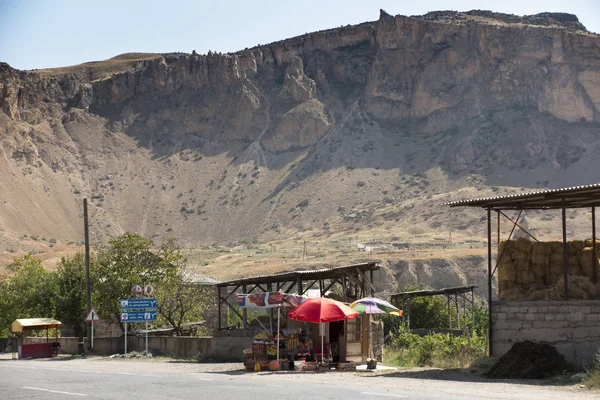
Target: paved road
<point x="127" y="379"/>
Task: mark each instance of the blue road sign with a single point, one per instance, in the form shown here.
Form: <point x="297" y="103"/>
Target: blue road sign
<point x="138" y="316"/>
<point x="138" y="304"/>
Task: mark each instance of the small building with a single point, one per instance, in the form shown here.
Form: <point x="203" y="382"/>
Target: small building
<point x="546" y="290"/>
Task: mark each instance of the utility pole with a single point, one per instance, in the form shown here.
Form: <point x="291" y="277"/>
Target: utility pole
<point x="87" y="262"/>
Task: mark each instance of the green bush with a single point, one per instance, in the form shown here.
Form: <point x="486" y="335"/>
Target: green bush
<point x="592" y="377"/>
<point x="436" y="350"/>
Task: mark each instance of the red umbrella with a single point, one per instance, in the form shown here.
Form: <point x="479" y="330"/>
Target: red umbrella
<point x="322" y="310"/>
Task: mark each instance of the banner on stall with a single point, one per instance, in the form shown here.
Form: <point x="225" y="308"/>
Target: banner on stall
<point x="268" y="300"/>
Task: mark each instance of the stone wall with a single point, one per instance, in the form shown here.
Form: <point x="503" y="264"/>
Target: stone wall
<point x="231" y="343"/>
<point x="573" y="327"/>
<point x="172" y="346"/>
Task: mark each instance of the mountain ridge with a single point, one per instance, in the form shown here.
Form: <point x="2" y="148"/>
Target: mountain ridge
<point x="336" y="132"/>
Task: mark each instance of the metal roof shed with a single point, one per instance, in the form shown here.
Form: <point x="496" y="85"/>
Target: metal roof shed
<point x="356" y="278"/>
<point x="552" y="199"/>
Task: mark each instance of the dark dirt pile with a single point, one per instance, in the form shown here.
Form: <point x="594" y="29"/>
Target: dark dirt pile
<point x="529" y="360"/>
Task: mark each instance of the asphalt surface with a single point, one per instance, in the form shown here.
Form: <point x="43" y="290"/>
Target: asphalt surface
<point x="127" y="379"/>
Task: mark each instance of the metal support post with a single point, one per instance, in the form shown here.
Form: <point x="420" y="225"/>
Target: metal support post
<point x="489" y="232"/>
<point x="565" y="255"/>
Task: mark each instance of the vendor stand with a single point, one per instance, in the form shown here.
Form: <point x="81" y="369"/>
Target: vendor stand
<point x="271" y="350"/>
<point x="36" y="350"/>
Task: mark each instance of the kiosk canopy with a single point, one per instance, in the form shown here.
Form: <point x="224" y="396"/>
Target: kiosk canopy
<point x="19" y="325"/>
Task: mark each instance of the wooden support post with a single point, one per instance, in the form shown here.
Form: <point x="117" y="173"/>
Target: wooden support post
<point x="219" y="306"/>
<point x="244" y="312"/>
<point x="489" y="234"/>
<point x="449" y="313"/>
<point x="457" y="311"/>
<point x="299" y="285"/>
<point x="270" y="287"/>
<point x="372" y="283"/>
<point x="565" y="255"/>
<point x="594" y="254"/>
<point x="473" y="308"/>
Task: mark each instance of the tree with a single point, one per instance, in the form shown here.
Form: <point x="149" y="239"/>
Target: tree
<point x="71" y="301"/>
<point x="128" y="260"/>
<point x="179" y="299"/>
<point x="28" y="293"/>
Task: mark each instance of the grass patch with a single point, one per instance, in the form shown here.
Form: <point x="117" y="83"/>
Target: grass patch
<point x="592" y="377"/>
<point x="439" y="350"/>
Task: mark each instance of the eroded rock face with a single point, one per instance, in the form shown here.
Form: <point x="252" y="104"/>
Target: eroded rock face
<point x="466" y="93"/>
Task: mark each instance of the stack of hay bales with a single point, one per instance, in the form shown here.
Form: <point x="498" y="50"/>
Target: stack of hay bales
<point x="535" y="270"/>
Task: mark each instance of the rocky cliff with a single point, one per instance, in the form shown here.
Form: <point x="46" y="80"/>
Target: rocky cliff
<point x="305" y="131"/>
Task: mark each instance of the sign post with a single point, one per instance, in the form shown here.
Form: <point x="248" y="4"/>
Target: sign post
<point x="91" y="317"/>
<point x="138" y="310"/>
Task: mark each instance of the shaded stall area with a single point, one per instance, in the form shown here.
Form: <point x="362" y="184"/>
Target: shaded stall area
<point x="546" y="289"/>
<point x="355" y="281"/>
<point x="21" y="327"/>
<point x="458" y="298"/>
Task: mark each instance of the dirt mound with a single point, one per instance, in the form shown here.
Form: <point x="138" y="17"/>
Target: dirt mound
<point x="529" y="360"/>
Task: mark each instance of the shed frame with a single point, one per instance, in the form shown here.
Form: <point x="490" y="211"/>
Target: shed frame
<point x="587" y="196"/>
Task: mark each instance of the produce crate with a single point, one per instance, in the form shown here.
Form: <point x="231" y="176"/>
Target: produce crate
<point x="258" y="348"/>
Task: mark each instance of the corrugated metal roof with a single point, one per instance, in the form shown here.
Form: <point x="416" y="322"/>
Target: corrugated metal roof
<point x="200" y="279"/>
<point x="291" y="275"/>
<point x="569" y="197"/>
<point x="434" y="292"/>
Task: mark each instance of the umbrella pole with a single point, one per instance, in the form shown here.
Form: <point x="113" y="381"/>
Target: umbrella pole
<point x="278" y="333"/>
<point x="322" y="348"/>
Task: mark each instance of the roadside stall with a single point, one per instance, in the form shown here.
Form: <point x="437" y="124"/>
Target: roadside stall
<point x="272" y="349"/>
<point x="320" y="311"/>
<point x="36" y="350"/>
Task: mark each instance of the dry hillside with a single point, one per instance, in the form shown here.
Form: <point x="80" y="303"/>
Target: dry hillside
<point x="351" y="134"/>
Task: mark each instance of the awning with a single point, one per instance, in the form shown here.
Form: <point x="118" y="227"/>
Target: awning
<point x="19" y="325"/>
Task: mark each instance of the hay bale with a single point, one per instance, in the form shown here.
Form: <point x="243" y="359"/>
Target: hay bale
<point x="521" y="258"/>
<point x="506" y="248"/>
<point x="557" y="259"/>
<point x="525" y="277"/>
<point x="579" y="288"/>
<point x="574" y="247"/>
<point x="556" y="247"/>
<point x="540" y="259"/>
<point x="573" y="260"/>
<point x="541" y="248"/>
<point x="590" y="242"/>
<point x="505" y="286"/>
<point x="513" y="294"/>
<point x="586" y="262"/>
<point x="541" y="294"/>
<point x="523" y="245"/>
<point x="507" y="272"/>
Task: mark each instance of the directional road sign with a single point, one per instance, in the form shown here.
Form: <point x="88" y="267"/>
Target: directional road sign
<point x="138" y="316"/>
<point x="137" y="304"/>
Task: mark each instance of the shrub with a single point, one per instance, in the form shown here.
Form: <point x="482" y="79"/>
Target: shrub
<point x="592" y="377"/>
<point x="436" y="350"/>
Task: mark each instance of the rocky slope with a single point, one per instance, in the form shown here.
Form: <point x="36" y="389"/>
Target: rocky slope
<point x="340" y="131"/>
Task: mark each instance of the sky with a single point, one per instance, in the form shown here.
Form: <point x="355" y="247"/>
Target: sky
<point x="44" y="34"/>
